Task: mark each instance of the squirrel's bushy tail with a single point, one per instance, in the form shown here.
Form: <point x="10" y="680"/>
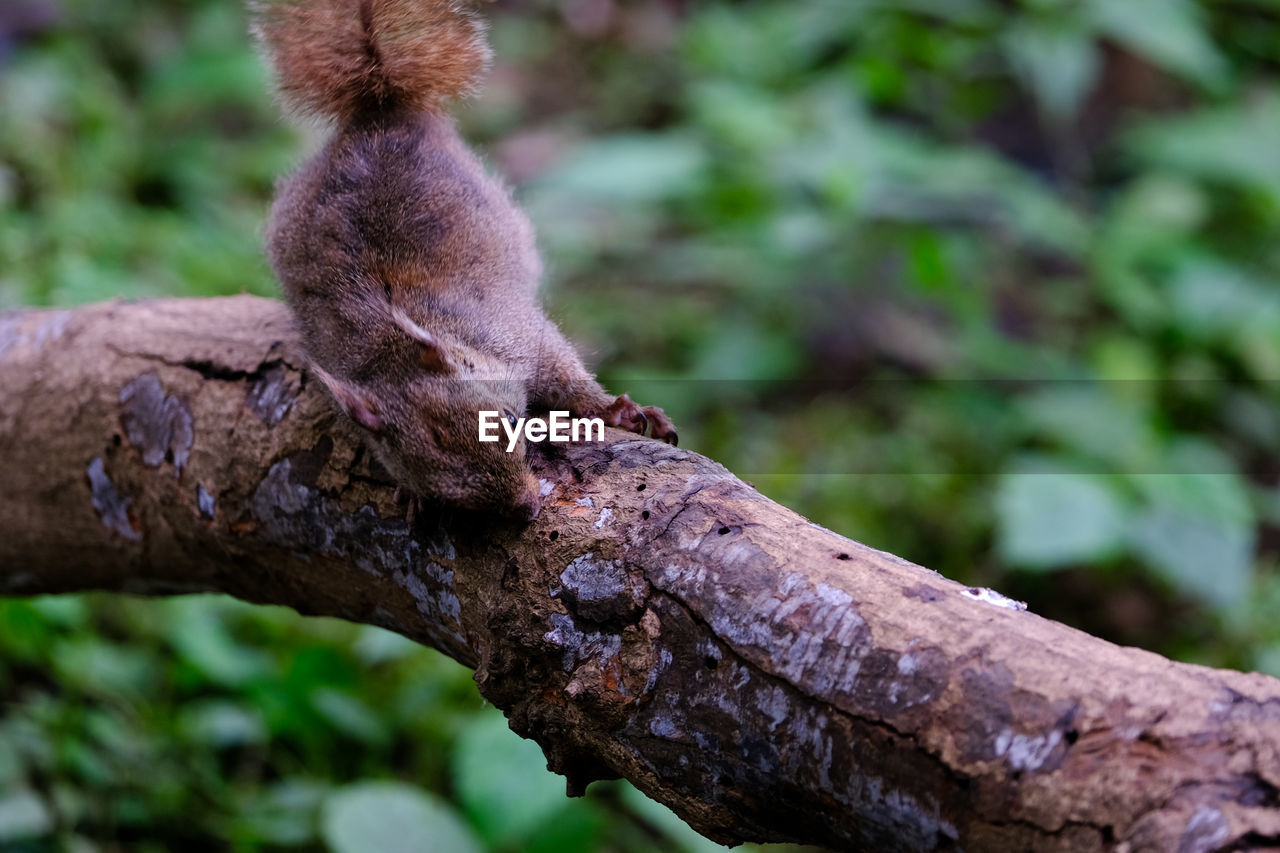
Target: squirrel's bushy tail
<point x="335" y="58"/>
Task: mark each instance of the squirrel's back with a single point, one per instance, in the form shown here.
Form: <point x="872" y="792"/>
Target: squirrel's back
<point x="338" y="58"/>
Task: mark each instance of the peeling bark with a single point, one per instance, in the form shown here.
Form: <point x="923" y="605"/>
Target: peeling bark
<point x="661" y="620"/>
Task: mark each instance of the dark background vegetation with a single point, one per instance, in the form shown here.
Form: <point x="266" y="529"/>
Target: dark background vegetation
<point x="990" y="285"/>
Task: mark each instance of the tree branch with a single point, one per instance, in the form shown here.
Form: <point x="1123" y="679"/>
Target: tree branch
<point x="661" y="620"/>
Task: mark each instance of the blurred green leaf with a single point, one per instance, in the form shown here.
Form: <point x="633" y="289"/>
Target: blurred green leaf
<point x="23" y="815"/>
<point x="580" y="827"/>
<point x="378" y="645"/>
<point x="201" y="639"/>
<point x="1216" y="300"/>
<point x="745" y="118"/>
<point x="10" y="764"/>
<point x="1051" y="520"/>
<point x="736" y="351"/>
<point x="631" y="169"/>
<point x="1153" y="217"/>
<point x="1199" y="480"/>
<point x="1057" y="62"/>
<point x="1234" y="143"/>
<point x="1095" y="420"/>
<point x="66" y="611"/>
<point x="391" y="817"/>
<point x="1168" y="33"/>
<point x="284" y="813"/>
<point x="350" y="715"/>
<point x="88" y="664"/>
<point x="928" y="184"/>
<point x="222" y="724"/>
<point x="503" y="781"/>
<point x="677" y="832"/>
<point x="1198" y="529"/>
<point x="1204" y="558"/>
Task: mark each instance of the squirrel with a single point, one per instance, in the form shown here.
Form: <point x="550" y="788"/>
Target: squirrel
<point x="412" y="273"/>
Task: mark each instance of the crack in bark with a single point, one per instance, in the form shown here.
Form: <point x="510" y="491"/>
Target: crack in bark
<point x="206" y="368"/>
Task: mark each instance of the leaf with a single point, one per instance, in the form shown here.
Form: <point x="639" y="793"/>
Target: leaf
<point x="10" y="763"/>
<point x="221" y="724"/>
<point x="1201" y="557"/>
<point x="630" y="168"/>
<point x="1055" y="519"/>
<point x="770" y="42"/>
<point x="579" y="827"/>
<point x="1199" y="479"/>
<point x="1168" y="33"/>
<point x="67" y="611"/>
<point x="200" y="636"/>
<point x="503" y="780"/>
<point x="908" y="180"/>
<point x="1058" y="64"/>
<point x="1214" y="299"/>
<point x="284" y="813"/>
<point x="746" y="118"/>
<point x="1083" y="416"/>
<point x="91" y="665"/>
<point x="349" y="715"/>
<point x="737" y="350"/>
<point x="678" y="832"/>
<point x="1153" y="218"/>
<point x="1235" y="144"/>
<point x="378" y="645"/>
<point x="23" y="815"/>
<point x="1198" y="530"/>
<point x="391" y="817"/>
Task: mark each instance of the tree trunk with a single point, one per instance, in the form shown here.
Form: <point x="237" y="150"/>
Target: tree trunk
<point x="660" y="620"/>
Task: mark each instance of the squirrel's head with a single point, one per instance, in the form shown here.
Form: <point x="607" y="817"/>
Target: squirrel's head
<point x="424" y="428"/>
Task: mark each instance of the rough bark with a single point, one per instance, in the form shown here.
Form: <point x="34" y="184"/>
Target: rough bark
<point x="661" y="620"/>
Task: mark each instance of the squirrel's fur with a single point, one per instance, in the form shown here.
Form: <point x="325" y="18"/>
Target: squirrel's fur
<point x="412" y="273"/>
<point x="337" y="58"/>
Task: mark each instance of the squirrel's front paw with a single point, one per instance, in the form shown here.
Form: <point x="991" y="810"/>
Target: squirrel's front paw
<point x="626" y="414"/>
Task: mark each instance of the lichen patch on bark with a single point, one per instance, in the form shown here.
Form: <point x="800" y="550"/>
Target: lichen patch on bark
<point x="301" y="519"/>
<point x="157" y="424"/>
<point x="111" y="507"/>
<point x="272" y="393"/>
<point x="599" y="590"/>
<point x="205" y="502"/>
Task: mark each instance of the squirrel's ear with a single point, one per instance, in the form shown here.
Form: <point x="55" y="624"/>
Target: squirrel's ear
<point x="358" y="405"/>
<point x="434" y="357"/>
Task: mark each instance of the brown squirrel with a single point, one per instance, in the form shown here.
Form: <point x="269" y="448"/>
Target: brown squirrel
<point x="412" y="273"/>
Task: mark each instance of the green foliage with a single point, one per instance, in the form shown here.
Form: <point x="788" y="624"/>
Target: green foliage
<point x="1055" y="518"/>
<point x="394" y="817"/>
<point x="505" y="787"/>
<point x="990" y="285"/>
<point x="129" y="722"/>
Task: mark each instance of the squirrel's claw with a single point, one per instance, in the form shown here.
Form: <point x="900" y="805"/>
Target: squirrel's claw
<point x="660" y="426"/>
<point x="651" y="420"/>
